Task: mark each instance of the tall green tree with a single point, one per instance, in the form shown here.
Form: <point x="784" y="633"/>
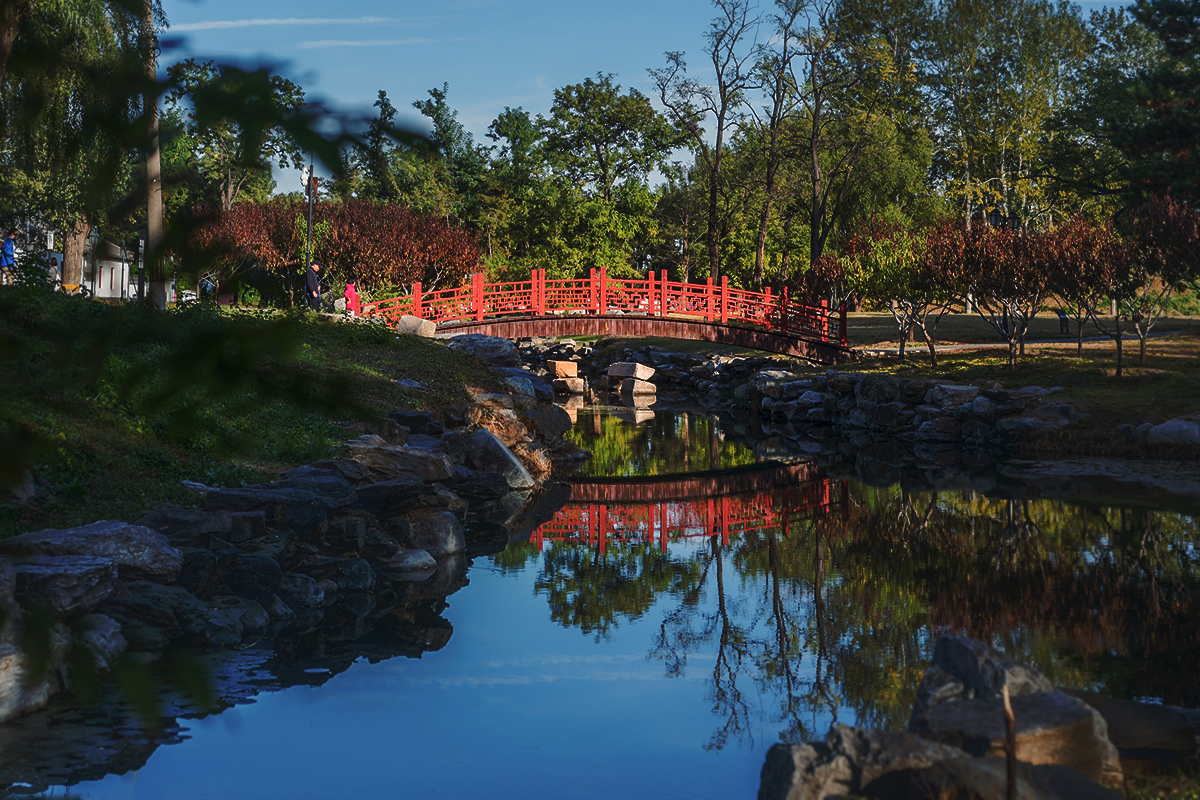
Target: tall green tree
<point x="599" y="137"/>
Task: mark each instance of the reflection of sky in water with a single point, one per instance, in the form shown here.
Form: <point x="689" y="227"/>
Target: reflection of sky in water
<point x="513" y="706"/>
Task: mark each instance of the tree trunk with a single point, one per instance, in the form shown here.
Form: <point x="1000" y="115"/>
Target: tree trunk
<point x="1119" y="354"/>
<point x="929" y="343"/>
<point x="74" y="240"/>
<point x="12" y="14"/>
<point x="714" y="234"/>
<point x="1012" y="353"/>
<point x="154" y="206"/>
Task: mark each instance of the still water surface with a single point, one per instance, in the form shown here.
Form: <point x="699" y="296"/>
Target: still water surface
<point x="657" y="636"/>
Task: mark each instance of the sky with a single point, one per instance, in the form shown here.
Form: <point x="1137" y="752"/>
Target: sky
<point x="492" y="53"/>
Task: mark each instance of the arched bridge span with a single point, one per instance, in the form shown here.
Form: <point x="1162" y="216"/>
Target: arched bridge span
<point x="655" y="306"/>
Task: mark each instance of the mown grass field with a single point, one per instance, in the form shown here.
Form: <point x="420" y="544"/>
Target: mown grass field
<point x="114" y="406"/>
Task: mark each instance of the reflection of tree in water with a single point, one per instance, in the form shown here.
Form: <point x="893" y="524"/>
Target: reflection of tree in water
<point x="666" y="444"/>
<point x="590" y="590"/>
<point x="837" y="618"/>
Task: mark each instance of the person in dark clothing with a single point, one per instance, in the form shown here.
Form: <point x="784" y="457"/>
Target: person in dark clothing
<point x="312" y="286"/>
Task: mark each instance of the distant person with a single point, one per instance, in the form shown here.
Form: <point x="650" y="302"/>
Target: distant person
<point x="351" y="297"/>
<point x="8" y="258"/>
<point x="312" y="286"/>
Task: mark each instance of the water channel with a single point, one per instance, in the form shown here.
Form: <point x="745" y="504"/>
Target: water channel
<point x="695" y="602"/>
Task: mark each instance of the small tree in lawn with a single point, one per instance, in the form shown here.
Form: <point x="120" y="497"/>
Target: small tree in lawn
<point x="888" y="262"/>
<point x="1164" y="245"/>
<point x="1005" y="272"/>
<point x="1082" y="259"/>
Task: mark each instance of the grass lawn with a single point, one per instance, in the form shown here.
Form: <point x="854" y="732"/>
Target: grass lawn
<point x="113" y="407"/>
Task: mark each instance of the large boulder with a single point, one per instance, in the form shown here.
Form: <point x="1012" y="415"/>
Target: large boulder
<point x="985" y="779"/>
<point x="188" y="527"/>
<point x="298" y="510"/>
<point x="399" y="462"/>
<point x="630" y="369"/>
<point x="959" y="702"/>
<point x="64" y="584"/>
<point x="947" y="395"/>
<point x="153" y="616"/>
<point x="551" y="421"/>
<point x="848" y="760"/>
<point x="137" y="551"/>
<point x="1175" y="431"/>
<point x="389" y="498"/>
<point x="494" y="351"/>
<point x="486" y="453"/>
<point x="562" y="369"/>
<point x="416" y="326"/>
<point x="102" y="638"/>
<point x="438" y="533"/>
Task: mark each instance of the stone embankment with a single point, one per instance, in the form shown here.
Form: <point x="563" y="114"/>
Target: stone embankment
<point x="1068" y="744"/>
<point x="349" y="545"/>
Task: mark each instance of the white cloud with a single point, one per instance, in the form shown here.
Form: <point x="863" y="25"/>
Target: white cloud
<point x="225" y="24"/>
<point x="376" y="42"/>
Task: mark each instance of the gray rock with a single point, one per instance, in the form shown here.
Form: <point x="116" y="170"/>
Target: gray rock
<point x="188" y="527"/>
<point x="416" y="326"/>
<point x="347" y="574"/>
<point x="250" y="614"/>
<point x="982" y="408"/>
<point x="1174" y="432"/>
<point x="491" y="350"/>
<point x="153" y="616"/>
<point x="378" y="545"/>
<point x="418" y="422"/>
<point x="409" y="561"/>
<point x="64" y="584"/>
<point x="946" y="395"/>
<point x="551" y="421"/>
<point x="398" y="462"/>
<point x="848" y="760"/>
<point x="137" y="551"/>
<point x="1141" y="433"/>
<point x="390" y="498"/>
<point x="255" y="576"/>
<point x="334" y="488"/>
<point x="810" y="398"/>
<point x="298" y="510"/>
<point x="1052" y="728"/>
<point x="986" y="779"/>
<point x="942" y="429"/>
<point x="1018" y="427"/>
<point x="630" y="369"/>
<point x="20" y="690"/>
<point x="101" y="636"/>
<point x="872" y="390"/>
<point x="487" y="453"/>
<point x="247" y="526"/>
<point x="204" y="570"/>
<point x="438" y="533"/>
<point x="301" y="591"/>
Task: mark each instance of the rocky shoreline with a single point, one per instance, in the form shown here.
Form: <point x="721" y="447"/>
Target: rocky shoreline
<point x="339" y="548"/>
<point x="1066" y="743"/>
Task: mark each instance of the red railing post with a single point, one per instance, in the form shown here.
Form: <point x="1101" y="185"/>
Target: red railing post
<point x="724" y="299"/>
<point x="603" y="290"/>
<point x="842" y="324"/>
<point x="593" y="294"/>
<point x="416" y="299"/>
<point x="824" y="320"/>
<point x="536" y="286"/>
<point x="771" y="308"/>
<point x="784" y="308"/>
<point x="665" y="278"/>
<point x="708" y="305"/>
<point x="650" y="293"/>
<point x="477" y="295"/>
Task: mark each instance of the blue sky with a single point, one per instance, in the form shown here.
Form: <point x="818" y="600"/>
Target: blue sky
<point x="493" y="53"/>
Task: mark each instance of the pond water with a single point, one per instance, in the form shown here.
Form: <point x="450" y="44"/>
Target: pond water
<point x="693" y="604"/>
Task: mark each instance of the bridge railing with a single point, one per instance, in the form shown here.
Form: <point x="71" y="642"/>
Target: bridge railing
<point x="601" y="524"/>
<point x="654" y="296"/>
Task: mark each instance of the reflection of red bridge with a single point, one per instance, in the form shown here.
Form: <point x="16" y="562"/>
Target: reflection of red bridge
<point x="679" y="507"/>
<point x="656" y="306"/>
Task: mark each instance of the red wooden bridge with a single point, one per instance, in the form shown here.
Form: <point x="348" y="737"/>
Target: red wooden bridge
<point x="599" y="306"/>
<point x="627" y="511"/>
